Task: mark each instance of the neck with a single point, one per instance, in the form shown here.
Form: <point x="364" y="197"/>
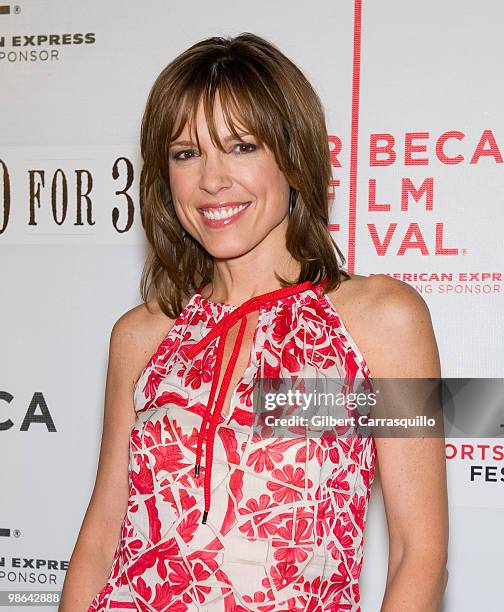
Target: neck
<point x="234" y="282"/>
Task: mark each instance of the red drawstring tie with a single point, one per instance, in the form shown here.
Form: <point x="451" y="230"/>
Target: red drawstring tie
<point x="221" y="329"/>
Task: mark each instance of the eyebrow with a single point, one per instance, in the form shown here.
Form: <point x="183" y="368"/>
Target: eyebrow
<point x="188" y="143"/>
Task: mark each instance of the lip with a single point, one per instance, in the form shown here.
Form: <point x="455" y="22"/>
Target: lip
<point x="217" y="223"/>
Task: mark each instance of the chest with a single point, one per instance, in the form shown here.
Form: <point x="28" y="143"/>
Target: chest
<point x="238" y="355"/>
<point x="200" y="355"/>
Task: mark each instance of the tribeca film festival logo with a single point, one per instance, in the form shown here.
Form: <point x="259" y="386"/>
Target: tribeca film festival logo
<point x="41" y="47"/>
<point x="404" y="214"/>
<point x="415" y="150"/>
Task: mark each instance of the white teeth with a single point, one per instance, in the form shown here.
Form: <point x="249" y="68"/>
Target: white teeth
<point x="223" y="213"/>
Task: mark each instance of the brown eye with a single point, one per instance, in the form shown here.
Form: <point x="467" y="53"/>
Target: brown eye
<point x="247" y="144"/>
<point x="178" y="156"/>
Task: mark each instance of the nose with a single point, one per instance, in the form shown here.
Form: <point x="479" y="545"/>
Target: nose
<point x="215" y="172"/>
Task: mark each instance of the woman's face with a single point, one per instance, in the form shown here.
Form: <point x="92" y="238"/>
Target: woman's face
<point x="229" y="202"/>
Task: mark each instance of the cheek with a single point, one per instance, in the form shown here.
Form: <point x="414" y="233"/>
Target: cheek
<point x="267" y="181"/>
<point x="268" y="170"/>
<point x="180" y="183"/>
<point x="186" y="220"/>
<point x="184" y="193"/>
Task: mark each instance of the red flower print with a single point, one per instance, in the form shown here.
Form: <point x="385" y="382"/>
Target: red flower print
<point x="287" y="481"/>
<point x="142" y="589"/>
<point x="135" y="439"/>
<point x="353" y="447"/>
<point x="337" y="485"/>
<point x="340" y="579"/>
<point x="260" y="598"/>
<point x="169" y="458"/>
<point x="283" y="325"/>
<point x="299" y="532"/>
<point x="180" y="578"/>
<point x="171" y="397"/>
<point x="325" y="517"/>
<point x="164" y="594"/>
<point x="266" y="457"/>
<point x="358" y="508"/>
<point x="167" y="349"/>
<point x="201" y="371"/>
<point x="152" y="383"/>
<point x="283" y="574"/>
<point x="271" y="362"/>
<point x="259" y="524"/>
<point x="132" y="548"/>
<point x="188" y="527"/>
<point x="291" y="356"/>
<point x="157" y="555"/>
<point x="154" y="522"/>
<point x="142" y="480"/>
<point x="342" y="539"/>
<point x="329" y="596"/>
<point x="315" y="451"/>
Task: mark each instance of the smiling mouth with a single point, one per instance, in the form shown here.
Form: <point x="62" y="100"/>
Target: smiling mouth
<point x="216" y="214"/>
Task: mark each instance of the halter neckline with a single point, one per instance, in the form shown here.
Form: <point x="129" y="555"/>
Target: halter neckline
<point x="269" y="296"/>
<point x="214" y="406"/>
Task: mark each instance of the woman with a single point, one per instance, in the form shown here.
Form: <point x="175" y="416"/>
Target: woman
<point x="190" y="510"/>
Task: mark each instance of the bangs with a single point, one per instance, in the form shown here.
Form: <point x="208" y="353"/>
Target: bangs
<point x="245" y="105"/>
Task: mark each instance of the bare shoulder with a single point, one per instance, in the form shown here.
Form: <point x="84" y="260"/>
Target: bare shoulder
<point x="391" y="323"/>
<point x="393" y="299"/>
<point x="136" y="335"/>
<point x="378" y="290"/>
<point x="396" y="305"/>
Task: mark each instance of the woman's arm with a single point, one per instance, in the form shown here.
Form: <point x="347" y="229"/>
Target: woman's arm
<point x="132" y="341"/>
<point x="412" y="470"/>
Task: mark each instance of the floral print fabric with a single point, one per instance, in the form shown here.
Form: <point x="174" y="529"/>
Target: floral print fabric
<point x="286" y="527"/>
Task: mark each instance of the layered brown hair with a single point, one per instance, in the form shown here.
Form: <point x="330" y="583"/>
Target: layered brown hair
<point x="269" y="95"/>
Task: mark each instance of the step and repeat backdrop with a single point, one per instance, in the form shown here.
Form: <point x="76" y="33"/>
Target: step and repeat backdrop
<point x="413" y="100"/>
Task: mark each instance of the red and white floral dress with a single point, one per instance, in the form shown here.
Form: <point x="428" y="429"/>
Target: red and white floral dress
<point x="267" y="524"/>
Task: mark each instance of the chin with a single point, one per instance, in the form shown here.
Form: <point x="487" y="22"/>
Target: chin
<point x="226" y="252"/>
<point x="226" y="248"/>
